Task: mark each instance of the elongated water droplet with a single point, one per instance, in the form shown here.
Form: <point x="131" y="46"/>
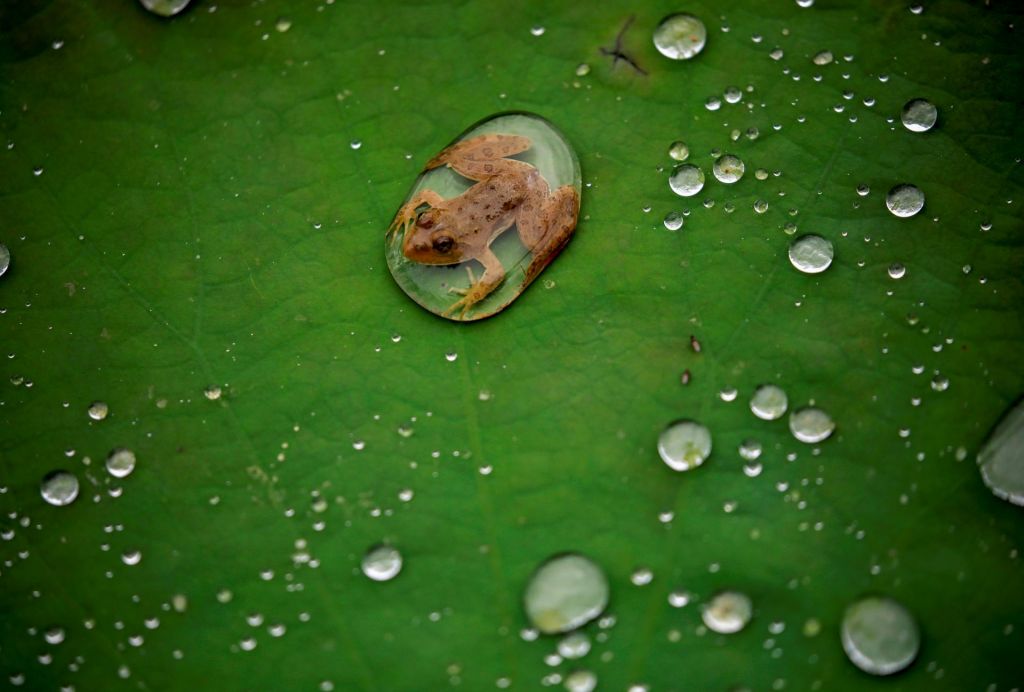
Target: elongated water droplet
<point x="1001" y="459"/>
<point x="120" y="462"/>
<point x="566" y="592"/>
<point x="811" y="425"/>
<point x="382" y="563"/>
<point x="686" y="180"/>
<point x="811" y="254"/>
<point x="728" y="168"/>
<point x="769" y="402"/>
<point x="680" y="36"/>
<point x="919" y="115"/>
<point x="684" y="445"/>
<point x="904" y="200"/>
<point x="880" y="636"/>
<point x="59" y="488"/>
<point x="165" y="8"/>
<point x="727" y="612"/>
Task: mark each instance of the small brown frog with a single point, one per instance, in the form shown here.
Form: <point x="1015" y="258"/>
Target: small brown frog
<point x="507" y="192"/>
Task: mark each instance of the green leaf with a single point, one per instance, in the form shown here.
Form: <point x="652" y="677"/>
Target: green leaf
<point x="201" y="220"/>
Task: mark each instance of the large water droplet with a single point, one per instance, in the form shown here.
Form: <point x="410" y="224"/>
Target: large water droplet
<point x="5" y="259"/>
<point x="165" y="8"/>
<point x="1001" y="458"/>
<point x="919" y="115"/>
<point x="811" y="425"/>
<point x="684" y="445"/>
<point x="382" y="563"/>
<point x="686" y="180"/>
<point x="769" y="402"/>
<point x="880" y="636"/>
<point x="120" y="462"/>
<point x="727" y="612"/>
<point x="904" y="200"/>
<point x="728" y="168"/>
<point x="565" y="593"/>
<point x="59" y="488"/>
<point x="811" y="254"/>
<point x="680" y="36"/>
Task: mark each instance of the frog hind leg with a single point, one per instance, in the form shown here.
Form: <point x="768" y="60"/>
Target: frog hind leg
<point x="482" y="157"/>
<point x="546" y="228"/>
<point x="479" y="288"/>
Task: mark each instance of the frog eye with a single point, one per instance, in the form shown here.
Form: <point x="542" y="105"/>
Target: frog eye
<point x="425" y="220"/>
<point x="443" y="244"/>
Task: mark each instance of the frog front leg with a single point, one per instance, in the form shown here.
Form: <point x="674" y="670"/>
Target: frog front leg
<point x="407" y="214"/>
<point x="480" y="288"/>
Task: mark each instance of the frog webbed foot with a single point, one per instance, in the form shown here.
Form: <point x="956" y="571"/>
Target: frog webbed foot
<point x="478" y="289"/>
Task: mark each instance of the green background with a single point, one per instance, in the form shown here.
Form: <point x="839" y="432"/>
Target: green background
<point x="202" y="220"/>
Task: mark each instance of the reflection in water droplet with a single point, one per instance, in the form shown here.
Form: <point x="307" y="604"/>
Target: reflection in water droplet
<point x="678" y="151"/>
<point x="686" y="180"/>
<point x="382" y="563"/>
<point x="565" y="593"/>
<point x="919" y="115"/>
<point x="575" y="645"/>
<point x="59" y="488"/>
<point x="769" y="402"/>
<point x="98" y="410"/>
<point x="5" y="259"/>
<point x="811" y="425"/>
<point x="904" y="200"/>
<point x="811" y="254"/>
<point x="880" y="636"/>
<point x="728" y="168"/>
<point x="684" y="444"/>
<point x="165" y="8"/>
<point x="120" y="462"/>
<point x="727" y="612"/>
<point x="1001" y="459"/>
<point x="897" y="270"/>
<point x="680" y="36"/>
<point x="673" y="221"/>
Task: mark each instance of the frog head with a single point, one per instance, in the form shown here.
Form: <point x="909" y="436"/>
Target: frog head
<point x="430" y="240"/>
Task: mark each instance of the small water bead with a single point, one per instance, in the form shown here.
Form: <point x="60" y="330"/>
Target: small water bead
<point x="684" y="444"/>
<point x="131" y="557"/>
<point x="811" y="254"/>
<point x="769" y="402"/>
<point x="382" y="563"/>
<point x="54" y="635"/>
<point x="728" y="394"/>
<point x="537" y="30"/>
<point x="213" y="392"/>
<point x="752" y="469"/>
<point x="59" y="488"/>
<point x="641" y="577"/>
<point x="120" y="462"/>
<point x="582" y="70"/>
<point x="880" y="636"/>
<point x="822" y="58"/>
<point x="679" y="598"/>
<point x="451" y="356"/>
<point x="760" y="206"/>
<point x="283" y="24"/>
<point x="919" y="115"/>
<point x="713" y="103"/>
<point x="573" y="646"/>
<point x="355" y="144"/>
<point x="98" y="410"/>
<point x="811" y="425"/>
<point x="728" y="169"/>
<point x="940" y="383"/>
<point x="733" y="95"/>
<point x="565" y="593"/>
<point x="904" y="200"/>
<point x="727" y="612"/>
<point x="1001" y="459"/>
<point x="761" y="174"/>
<point x="750" y="449"/>
<point x="863" y="190"/>
<point x="680" y="36"/>
<point x="581" y="681"/>
<point x="686" y="180"/>
<point x="673" y="221"/>
<point x="165" y="8"/>
<point x="5" y="259"/>
<point x="897" y="270"/>
<point x="805" y="3"/>
<point x="678" y="151"/>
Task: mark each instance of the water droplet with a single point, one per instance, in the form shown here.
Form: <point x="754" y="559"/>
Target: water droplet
<point x="811" y="425"/>
<point x="728" y="394"/>
<point x="679" y="598"/>
<point x="880" y="636"/>
<point x="680" y="36"/>
<point x="686" y="180"/>
<point x="769" y="402"/>
<point x="823" y="58"/>
<point x="751" y="449"/>
<point x="537" y="30"/>
<point x="897" y="270"/>
<point x="131" y="557"/>
<point x="940" y="383"/>
<point x="59" y="488"/>
<point x="98" y="410"/>
<point x="641" y="577"/>
<point x="728" y="169"/>
<point x="1001" y="459"/>
<point x="582" y="70"/>
<point x="573" y="646"/>
<point x="760" y="206"/>
<point x="165" y="8"/>
<point x="451" y="356"/>
<point x="684" y="444"/>
<point x="863" y="190"/>
<point x="5" y="259"/>
<point x="732" y="95"/>
<point x="382" y="563"/>
<point x="212" y="392"/>
<point x="673" y="221"/>
<point x="120" y="462"/>
<point x="566" y="592"/>
<point x="727" y="612"/>
<point x="919" y="115"/>
<point x="811" y="254"/>
<point x="355" y="144"/>
<point x="678" y="151"/>
<point x="54" y="635"/>
<point x="581" y="681"/>
<point x="752" y="469"/>
<point x="805" y="3"/>
<point x="283" y="24"/>
<point x="904" y="200"/>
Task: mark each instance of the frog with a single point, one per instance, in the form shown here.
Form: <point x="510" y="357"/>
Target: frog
<point x="506" y="193"/>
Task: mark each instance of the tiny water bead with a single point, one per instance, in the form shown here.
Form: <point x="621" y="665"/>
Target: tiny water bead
<point x="98" y="410"/>
<point x="120" y="462"/>
<point x="897" y="270"/>
<point x="684" y="445"/>
<point x="880" y="636"/>
<point x="686" y="180"/>
<point x="811" y="425"/>
<point x="811" y="254"/>
<point x="1001" y="459"/>
<point x="165" y="8"/>
<point x="581" y="681"/>
<point x="904" y="200"/>
<point x="750" y="449"/>
<point x="680" y="36"/>
<point x="575" y="645"/>
<point x="213" y="392"/>
<point x="382" y="563"/>
<point x="678" y="151"/>
<point x="673" y="221"/>
<point x="919" y="115"/>
<point x="728" y="169"/>
<point x="5" y="259"/>
<point x="59" y="488"/>
<point x="727" y="612"/>
<point x="769" y="402"/>
<point x="822" y="58"/>
<point x="565" y="593"/>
